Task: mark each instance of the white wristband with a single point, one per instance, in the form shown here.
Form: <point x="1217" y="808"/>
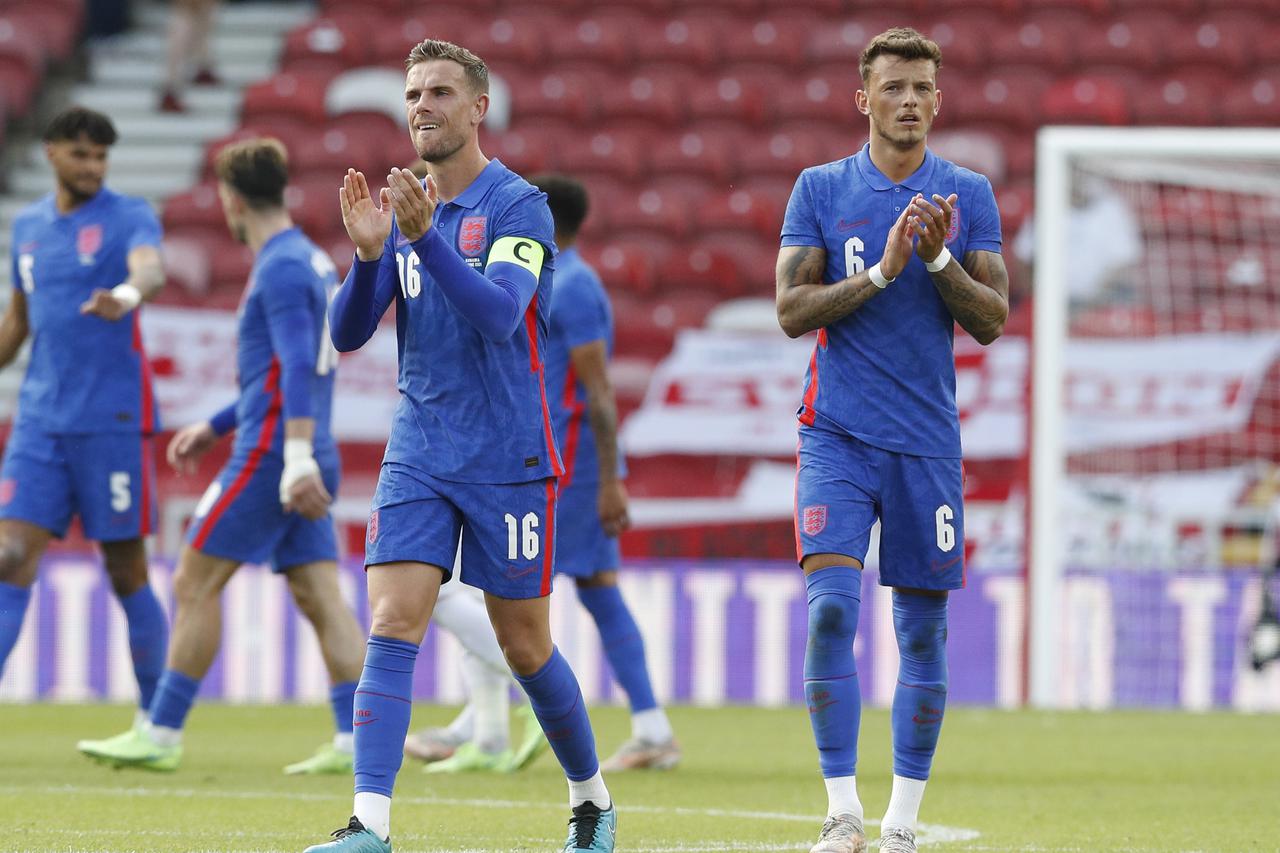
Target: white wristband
<point x="127" y="295"/>
<point x="939" y="263"/>
<point x="878" y="279"/>
<point x="297" y="450"/>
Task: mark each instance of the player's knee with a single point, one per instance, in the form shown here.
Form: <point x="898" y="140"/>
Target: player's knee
<point x="397" y="621"/>
<point x="526" y="658"/>
<point x="16" y="563"/>
<point x="920" y="623"/>
<point x="833" y="615"/>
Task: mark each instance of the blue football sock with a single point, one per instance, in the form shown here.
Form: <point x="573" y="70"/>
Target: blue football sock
<point x="557" y="701"/>
<point x="342" y="698"/>
<point x="148" y="640"/>
<point x="13" y="606"/>
<point x="920" y="622"/>
<point x="623" y="644"/>
<point x="174" y="696"/>
<point x="830" y="674"/>
<point x="383" y="703"/>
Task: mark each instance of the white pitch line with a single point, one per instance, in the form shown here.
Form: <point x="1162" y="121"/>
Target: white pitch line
<point x="928" y="833"/>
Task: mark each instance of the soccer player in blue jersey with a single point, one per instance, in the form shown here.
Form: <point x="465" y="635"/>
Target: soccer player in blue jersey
<point x="882" y="254"/>
<point x="84" y="260"/>
<point x="271" y="500"/>
<point x="592" y="511"/>
<point x="467" y="256"/>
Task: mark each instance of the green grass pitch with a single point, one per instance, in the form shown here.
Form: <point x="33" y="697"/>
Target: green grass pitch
<point x="1003" y="781"/>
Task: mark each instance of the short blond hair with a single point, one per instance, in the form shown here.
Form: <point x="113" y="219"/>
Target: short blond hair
<point x="902" y="42"/>
<point x="257" y="168"/>
<point x="477" y="72"/>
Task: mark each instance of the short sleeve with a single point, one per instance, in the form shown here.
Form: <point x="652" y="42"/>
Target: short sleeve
<point x="578" y="313"/>
<point x="800" y="225"/>
<point x="146" y="229"/>
<point x="984" y="226"/>
<point x="527" y="216"/>
<point x="284" y="286"/>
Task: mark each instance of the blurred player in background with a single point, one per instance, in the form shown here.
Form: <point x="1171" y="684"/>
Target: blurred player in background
<point x="879" y="429"/>
<point x="271" y="500"/>
<point x="592" y="510"/>
<point x="467" y="256"/>
<point x="84" y="259"/>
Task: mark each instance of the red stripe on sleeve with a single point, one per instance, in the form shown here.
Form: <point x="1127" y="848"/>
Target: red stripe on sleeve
<point x="255" y="458"/>
<point x="535" y="366"/>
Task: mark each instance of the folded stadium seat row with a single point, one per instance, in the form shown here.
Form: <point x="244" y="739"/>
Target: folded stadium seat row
<point x="32" y="36"/>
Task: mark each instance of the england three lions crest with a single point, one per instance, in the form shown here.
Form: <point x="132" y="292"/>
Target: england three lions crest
<point x="88" y="242"/>
<point x="471" y="236"/>
<point x="815" y="519"/>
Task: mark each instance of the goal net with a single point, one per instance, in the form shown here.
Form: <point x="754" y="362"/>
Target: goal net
<point x="1156" y="415"/>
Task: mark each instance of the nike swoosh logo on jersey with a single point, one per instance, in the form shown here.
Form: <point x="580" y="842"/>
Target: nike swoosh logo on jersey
<point x="844" y="225"/>
<point x="942" y="567"/>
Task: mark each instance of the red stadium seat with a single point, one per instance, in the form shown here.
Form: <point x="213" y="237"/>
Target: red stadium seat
<point x="342" y="41"/>
<point x="709" y="152"/>
<point x="1015" y="201"/>
<point x="656" y="95"/>
<point x="330" y="152"/>
<point x="1254" y="101"/>
<point x="627" y="264"/>
<point x="50" y="27"/>
<point x="727" y="265"/>
<point x="824" y="94"/>
<point x="229" y="265"/>
<point x="1136" y="40"/>
<point x="396" y="36"/>
<point x="665" y="210"/>
<point x="1045" y="40"/>
<point x="196" y="209"/>
<point x="689" y="40"/>
<point x="289" y="131"/>
<point x="312" y="202"/>
<point x="787" y="151"/>
<point x="741" y="210"/>
<point x="1085" y="100"/>
<point x="297" y="96"/>
<point x="1009" y="96"/>
<point x="619" y="151"/>
<point x="737" y="94"/>
<point x="186" y="263"/>
<point x="978" y="150"/>
<point x="776" y="39"/>
<point x="605" y="37"/>
<point x="843" y="41"/>
<point x="1182" y="98"/>
<point x="523" y="152"/>
<point x="1214" y="42"/>
<point x="1180" y="7"/>
<point x="964" y="38"/>
<point x="556" y="95"/>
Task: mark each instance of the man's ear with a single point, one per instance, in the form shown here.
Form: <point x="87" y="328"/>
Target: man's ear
<point x="862" y="102"/>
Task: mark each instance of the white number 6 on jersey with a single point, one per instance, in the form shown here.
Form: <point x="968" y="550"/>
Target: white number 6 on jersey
<point x="852" y="257"/>
<point x="946" y="531"/>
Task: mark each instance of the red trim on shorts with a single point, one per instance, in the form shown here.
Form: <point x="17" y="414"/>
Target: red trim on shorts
<point x="807" y="413"/>
<point x="549" y="538"/>
<point x="148" y="414"/>
<point x="148" y="477"/>
<point x="272" y="387"/>
<point x="570" y="455"/>
<point x="795" y="503"/>
<point x="535" y="367"/>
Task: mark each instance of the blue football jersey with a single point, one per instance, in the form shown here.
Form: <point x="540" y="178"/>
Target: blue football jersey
<point x="284" y="307"/>
<point x="580" y="314"/>
<point x="472" y="410"/>
<point x="87" y="374"/>
<point x="886" y="373"/>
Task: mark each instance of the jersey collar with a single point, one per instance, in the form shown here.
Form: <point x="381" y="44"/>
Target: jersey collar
<point x="475" y="191"/>
<point x="876" y="179"/>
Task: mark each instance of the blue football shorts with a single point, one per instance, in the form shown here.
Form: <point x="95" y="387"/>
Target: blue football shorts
<point x="508" y="530"/>
<point x="844" y="484"/>
<point x="106" y="478"/>
<point x="582" y="546"/>
<point x="240" y="516"/>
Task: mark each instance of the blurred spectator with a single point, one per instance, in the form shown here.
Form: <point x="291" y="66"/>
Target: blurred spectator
<point x="190" y="26"/>
<point x="1103" y="240"/>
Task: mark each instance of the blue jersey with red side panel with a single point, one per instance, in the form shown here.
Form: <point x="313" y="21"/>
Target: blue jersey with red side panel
<point x="86" y="374"/>
<point x="282" y="330"/>
<point x="886" y="373"/>
<point x="580" y="314"/>
<point x="472" y="409"/>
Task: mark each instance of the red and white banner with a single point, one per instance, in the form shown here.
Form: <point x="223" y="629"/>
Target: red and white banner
<point x="722" y="393"/>
<point x="193" y="354"/>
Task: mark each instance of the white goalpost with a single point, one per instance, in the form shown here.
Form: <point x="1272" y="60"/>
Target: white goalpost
<point x="1155" y="432"/>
